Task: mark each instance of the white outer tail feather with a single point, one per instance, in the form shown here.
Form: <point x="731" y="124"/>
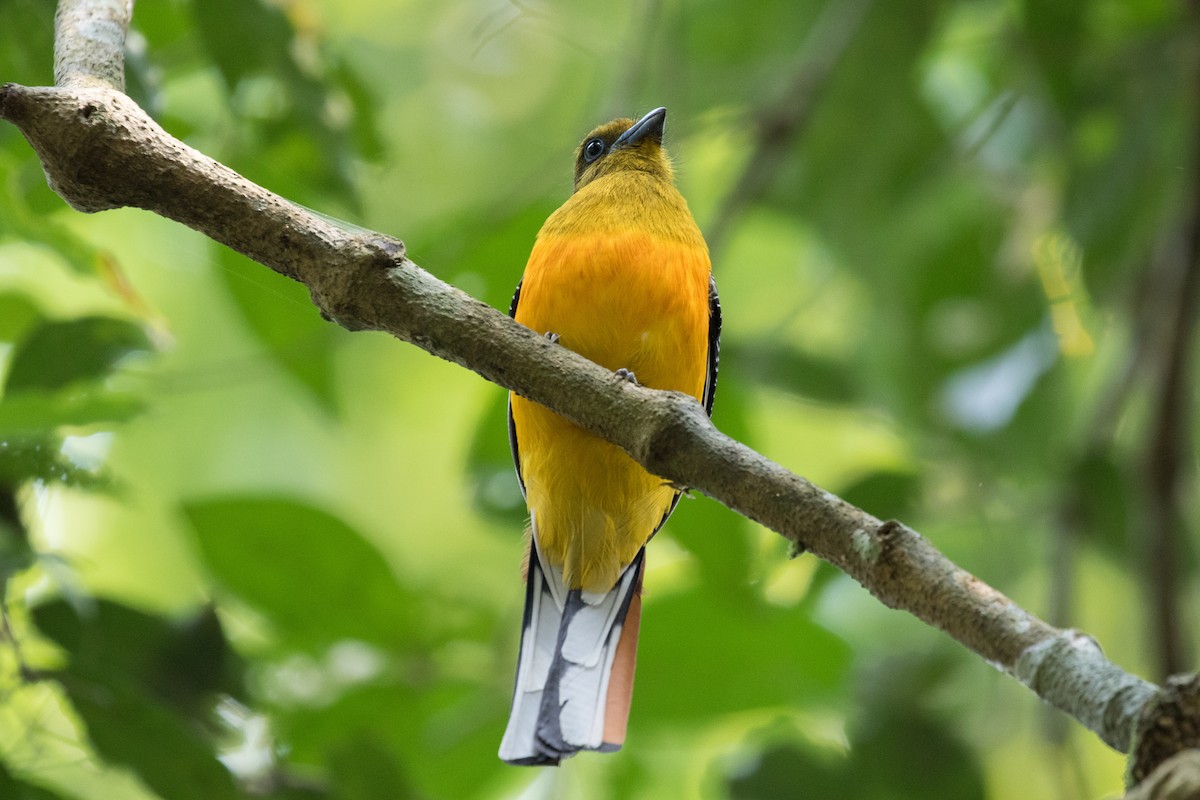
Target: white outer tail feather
<point x="589" y="648"/>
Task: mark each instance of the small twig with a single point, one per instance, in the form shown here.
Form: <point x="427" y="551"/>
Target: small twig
<point x="9" y="635"/>
<point x="11" y="525"/>
<point x="1168" y="452"/>
<point x="1169" y="447"/>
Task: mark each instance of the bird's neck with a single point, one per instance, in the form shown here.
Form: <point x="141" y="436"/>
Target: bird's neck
<point x="625" y="201"/>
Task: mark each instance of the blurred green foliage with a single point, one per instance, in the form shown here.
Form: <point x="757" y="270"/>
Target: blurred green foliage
<point x="244" y="553"/>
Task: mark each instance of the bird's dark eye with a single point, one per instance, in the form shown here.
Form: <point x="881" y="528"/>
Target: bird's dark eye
<point x="593" y="150"/>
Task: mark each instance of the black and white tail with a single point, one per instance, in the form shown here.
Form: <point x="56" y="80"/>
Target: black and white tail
<point x="575" y="672"/>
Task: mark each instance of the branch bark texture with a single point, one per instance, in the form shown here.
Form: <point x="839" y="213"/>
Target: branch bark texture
<point x="101" y="151"/>
<point x="89" y="42"/>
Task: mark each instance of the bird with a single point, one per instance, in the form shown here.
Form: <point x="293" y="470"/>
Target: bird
<point x="621" y="275"/>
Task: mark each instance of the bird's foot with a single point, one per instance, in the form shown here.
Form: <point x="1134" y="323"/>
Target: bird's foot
<point x="679" y="487"/>
<point x="552" y="337"/>
<point x="627" y="375"/>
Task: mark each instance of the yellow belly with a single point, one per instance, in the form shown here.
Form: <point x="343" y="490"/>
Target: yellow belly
<point x="622" y="300"/>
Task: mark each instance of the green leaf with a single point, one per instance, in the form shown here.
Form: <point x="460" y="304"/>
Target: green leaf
<point x="790" y="770"/>
<point x="17" y="314"/>
<point x="26" y="42"/>
<point x="144" y="685"/>
<point x="181" y="663"/>
<point x="886" y="494"/>
<point x="438" y="721"/>
<point x="899" y="750"/>
<point x="174" y="757"/>
<point x="1100" y="503"/>
<point x="263" y="549"/>
<point x="722" y="658"/>
<point x="58" y="353"/>
<point x="260" y="40"/>
<point x="363" y="770"/>
<point x="12" y="788"/>
<point x="718" y="539"/>
<point x="905" y="754"/>
<point x="775" y="363"/>
<point x="197" y="662"/>
<point x="1056" y="32"/>
<point x="367" y="138"/>
<point x="31" y="414"/>
<point x="16" y="555"/>
<point x="25" y="458"/>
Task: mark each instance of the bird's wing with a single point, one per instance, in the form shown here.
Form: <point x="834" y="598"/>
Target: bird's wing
<point x="714" y="344"/>
<point x="512" y="428"/>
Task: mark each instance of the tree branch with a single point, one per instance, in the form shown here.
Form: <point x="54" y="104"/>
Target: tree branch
<point x="101" y="151"/>
<point x="1169" y="727"/>
<point x="89" y="42"/>
<point x="1177" y="778"/>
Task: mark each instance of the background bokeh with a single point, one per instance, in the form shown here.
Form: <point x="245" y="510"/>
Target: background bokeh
<point x="246" y="553"/>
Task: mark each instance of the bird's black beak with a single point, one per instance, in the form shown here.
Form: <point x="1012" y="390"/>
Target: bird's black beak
<point x="648" y="127"/>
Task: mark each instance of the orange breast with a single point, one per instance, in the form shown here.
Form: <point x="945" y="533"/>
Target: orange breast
<point x="622" y="298"/>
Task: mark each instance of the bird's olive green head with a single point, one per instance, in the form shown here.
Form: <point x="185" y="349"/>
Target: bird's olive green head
<point x="624" y="145"/>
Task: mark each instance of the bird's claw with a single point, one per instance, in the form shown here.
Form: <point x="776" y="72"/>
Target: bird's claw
<point x="679" y="487"/>
<point x="627" y="375"/>
<point x="552" y="337"/>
